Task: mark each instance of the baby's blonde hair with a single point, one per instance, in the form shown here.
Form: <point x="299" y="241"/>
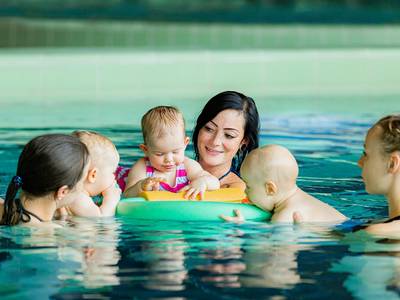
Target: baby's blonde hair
<point x="99" y="146"/>
<point x="159" y="120"/>
<point x="390" y="133"/>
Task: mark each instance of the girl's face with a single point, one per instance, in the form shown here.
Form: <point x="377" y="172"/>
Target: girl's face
<point x="374" y="164"/>
<point x="167" y="151"/>
<point x="221" y="138"/>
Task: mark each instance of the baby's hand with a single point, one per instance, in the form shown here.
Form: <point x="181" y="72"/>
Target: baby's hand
<point x="196" y="187"/>
<point x="113" y="191"/>
<point x="238" y="218"/>
<point x="151" y="183"/>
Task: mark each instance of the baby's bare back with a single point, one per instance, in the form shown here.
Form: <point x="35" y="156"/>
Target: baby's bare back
<point x="310" y="209"/>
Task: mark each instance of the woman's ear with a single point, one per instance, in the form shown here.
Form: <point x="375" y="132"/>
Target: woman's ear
<point x="270" y="188"/>
<point x="394" y="162"/>
<point x="92" y="175"/>
<point x="62" y="192"/>
<point x="244" y="143"/>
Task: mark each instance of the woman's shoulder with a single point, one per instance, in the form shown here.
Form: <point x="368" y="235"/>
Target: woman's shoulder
<point x="232" y="180"/>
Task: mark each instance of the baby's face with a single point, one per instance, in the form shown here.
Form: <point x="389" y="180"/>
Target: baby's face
<point x="168" y="151"/>
<point x="255" y="188"/>
<point x="106" y="171"/>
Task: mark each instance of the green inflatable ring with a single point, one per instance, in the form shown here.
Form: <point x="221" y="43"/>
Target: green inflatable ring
<point x="141" y="209"/>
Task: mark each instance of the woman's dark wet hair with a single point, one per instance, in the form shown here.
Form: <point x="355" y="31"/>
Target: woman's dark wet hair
<point x="239" y="102"/>
<point x="46" y="163"/>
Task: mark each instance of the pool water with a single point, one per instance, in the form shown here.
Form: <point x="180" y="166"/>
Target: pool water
<point x="120" y="258"/>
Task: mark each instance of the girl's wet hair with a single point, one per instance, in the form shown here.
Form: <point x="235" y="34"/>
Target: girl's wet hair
<point x="390" y="133"/>
<point x="239" y="102"/>
<point x="46" y="163"/>
<point x="160" y="119"/>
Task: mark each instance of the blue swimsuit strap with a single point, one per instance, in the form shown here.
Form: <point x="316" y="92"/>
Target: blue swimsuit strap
<point x="392" y="219"/>
<point x="359" y="227"/>
<point x="223" y="176"/>
<point x="229" y="171"/>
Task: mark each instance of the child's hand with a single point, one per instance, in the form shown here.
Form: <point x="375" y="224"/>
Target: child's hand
<point x="196" y="187"/>
<point x="60" y="213"/>
<point x="112" y="192"/>
<point x="238" y="218"/>
<point x="151" y="183"/>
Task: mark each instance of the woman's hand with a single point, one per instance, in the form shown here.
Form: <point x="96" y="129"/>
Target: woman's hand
<point x="238" y="218"/>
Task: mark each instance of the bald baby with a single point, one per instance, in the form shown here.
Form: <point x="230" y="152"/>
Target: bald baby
<point x="270" y="174"/>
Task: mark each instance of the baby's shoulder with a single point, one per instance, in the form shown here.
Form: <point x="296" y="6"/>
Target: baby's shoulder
<point x="139" y="164"/>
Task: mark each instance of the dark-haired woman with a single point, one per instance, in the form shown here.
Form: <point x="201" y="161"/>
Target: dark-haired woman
<point x="226" y="130"/>
<point x="49" y="168"/>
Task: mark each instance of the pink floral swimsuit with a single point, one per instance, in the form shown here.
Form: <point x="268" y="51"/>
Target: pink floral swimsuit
<point x="181" y="180"/>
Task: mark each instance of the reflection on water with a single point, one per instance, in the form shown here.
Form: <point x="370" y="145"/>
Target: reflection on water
<point x="119" y="258"/>
<point x="82" y="254"/>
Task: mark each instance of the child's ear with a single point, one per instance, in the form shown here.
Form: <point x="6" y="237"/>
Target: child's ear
<point x="92" y="175"/>
<point x="394" y="162"/>
<point x="271" y="188"/>
<point x="187" y="140"/>
<point x="143" y="147"/>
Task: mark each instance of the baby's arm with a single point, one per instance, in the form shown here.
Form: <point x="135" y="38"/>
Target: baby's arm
<point x="137" y="181"/>
<point x="136" y="175"/>
<point x="200" y="180"/>
<point x="84" y="206"/>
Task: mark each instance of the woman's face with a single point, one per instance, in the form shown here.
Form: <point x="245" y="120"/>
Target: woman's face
<point x="220" y="139"/>
<point x="374" y="164"/>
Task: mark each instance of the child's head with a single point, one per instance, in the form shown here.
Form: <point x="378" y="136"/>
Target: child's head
<point x="49" y="165"/>
<point x="381" y="157"/>
<point x="164" y="137"/>
<point x="270" y="173"/>
<point x="104" y="160"/>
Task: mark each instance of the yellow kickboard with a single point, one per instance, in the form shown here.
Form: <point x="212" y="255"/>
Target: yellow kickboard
<point x="231" y="195"/>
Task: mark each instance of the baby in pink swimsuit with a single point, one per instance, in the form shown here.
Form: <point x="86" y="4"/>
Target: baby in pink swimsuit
<point x="165" y="166"/>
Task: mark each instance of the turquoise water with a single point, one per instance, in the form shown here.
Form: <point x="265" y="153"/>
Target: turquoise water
<point x="118" y="258"/>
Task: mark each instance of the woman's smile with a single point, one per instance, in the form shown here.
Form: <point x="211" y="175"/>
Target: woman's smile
<point x="213" y="151"/>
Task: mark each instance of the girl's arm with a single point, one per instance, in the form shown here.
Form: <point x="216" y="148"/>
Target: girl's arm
<point x="134" y="180"/>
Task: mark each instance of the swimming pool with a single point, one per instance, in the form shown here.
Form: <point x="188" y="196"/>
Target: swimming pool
<point x="119" y="258"/>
